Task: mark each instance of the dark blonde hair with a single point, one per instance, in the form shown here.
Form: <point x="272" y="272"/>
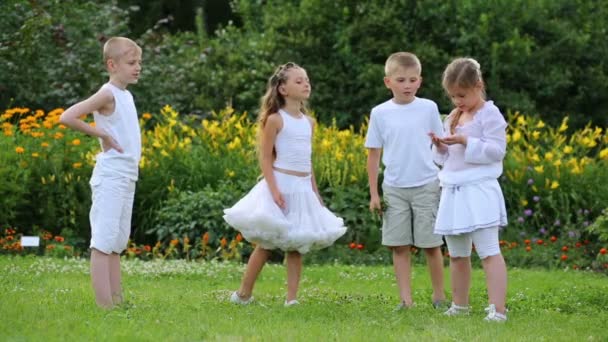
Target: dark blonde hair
<point x="463" y="73"/>
<point x="401" y="60"/>
<point x="272" y="100"/>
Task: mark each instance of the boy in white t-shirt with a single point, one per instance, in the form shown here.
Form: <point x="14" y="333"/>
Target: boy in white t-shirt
<point x="116" y="166"/>
<point x="399" y="132"/>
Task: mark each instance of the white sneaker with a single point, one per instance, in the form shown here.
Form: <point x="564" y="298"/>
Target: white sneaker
<point x="456" y="310"/>
<point x="236" y="299"/>
<point x="494" y="316"/>
<point x="291" y="303"/>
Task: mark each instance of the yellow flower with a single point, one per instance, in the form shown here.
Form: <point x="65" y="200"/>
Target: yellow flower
<point x="146" y="116"/>
<point x="230" y="173"/>
<point x="521" y="120"/>
<point x="539" y="168"/>
<point x="540" y="124"/>
<point x="535" y="135"/>
<point x="76" y="142"/>
<point x="604" y="153"/>
<point x="554" y="185"/>
<point x="44" y="144"/>
<point x="564" y="125"/>
<point x="35" y="155"/>
<point x="535" y="157"/>
<point x="549" y="156"/>
<point x="516" y="135"/>
<point x="524" y="202"/>
<point x="568" y="149"/>
<point x="58" y="135"/>
<point x="19" y="149"/>
<point x="77" y="165"/>
<point x="557" y="162"/>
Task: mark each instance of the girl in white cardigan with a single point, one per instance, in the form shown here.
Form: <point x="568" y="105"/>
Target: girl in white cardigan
<point x="472" y="206"/>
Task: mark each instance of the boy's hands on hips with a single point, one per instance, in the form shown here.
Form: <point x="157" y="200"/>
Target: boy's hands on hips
<point x="108" y="142"/>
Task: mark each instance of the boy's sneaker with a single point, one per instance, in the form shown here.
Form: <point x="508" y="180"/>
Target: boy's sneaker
<point x="439" y="304"/>
<point x="291" y="303"/>
<point x="494" y="316"/>
<point x="236" y="299"/>
<point x="402" y="306"/>
<point x="456" y="310"/>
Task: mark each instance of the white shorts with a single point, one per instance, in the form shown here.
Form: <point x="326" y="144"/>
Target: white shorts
<point x="111" y="211"/>
<point x="485" y="240"/>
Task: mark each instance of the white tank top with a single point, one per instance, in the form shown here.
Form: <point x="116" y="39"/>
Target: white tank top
<point x="123" y="126"/>
<point x="293" y="144"/>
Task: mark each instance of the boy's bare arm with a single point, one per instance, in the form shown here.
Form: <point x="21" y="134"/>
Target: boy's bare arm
<point x="373" y="162"/>
<point x="100" y="101"/>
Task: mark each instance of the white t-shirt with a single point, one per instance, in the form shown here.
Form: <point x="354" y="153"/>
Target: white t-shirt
<point x="401" y="131"/>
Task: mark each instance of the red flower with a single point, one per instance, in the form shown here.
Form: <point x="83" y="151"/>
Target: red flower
<point x="239" y="237"/>
<point x="528" y="248"/>
<point x="578" y="245"/>
<point x="603" y="251"/>
<point x="59" y="238"/>
<point x="147" y="248"/>
<point x="527" y="242"/>
<point x="359" y="246"/>
<point x="50" y="247"/>
<point x="565" y="248"/>
<point x="539" y="242"/>
<point x="352" y="245"/>
<point x="553" y="239"/>
<point x="564" y="257"/>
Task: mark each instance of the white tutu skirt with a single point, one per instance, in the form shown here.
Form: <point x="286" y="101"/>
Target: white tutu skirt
<point x="468" y="207"/>
<point x="302" y="226"/>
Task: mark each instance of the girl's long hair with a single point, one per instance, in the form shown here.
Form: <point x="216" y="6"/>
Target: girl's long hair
<point x="272" y="100"/>
<point x="462" y="73"/>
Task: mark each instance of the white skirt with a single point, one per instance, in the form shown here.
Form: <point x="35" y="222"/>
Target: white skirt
<point x="468" y="207"/>
<point x="302" y="226"/>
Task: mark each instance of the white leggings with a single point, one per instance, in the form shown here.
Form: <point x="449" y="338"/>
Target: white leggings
<point x="485" y="240"/>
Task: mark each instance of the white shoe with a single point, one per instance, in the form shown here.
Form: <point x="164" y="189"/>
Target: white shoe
<point x="291" y="303"/>
<point x="456" y="310"/>
<point x="236" y="299"/>
<point x="494" y="316"/>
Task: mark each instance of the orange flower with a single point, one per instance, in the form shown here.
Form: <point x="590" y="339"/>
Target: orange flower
<point x="359" y="246"/>
<point x="239" y="237"/>
<point x="76" y="142"/>
<point x="59" y="238"/>
<point x="19" y="150"/>
<point x="603" y="251"/>
<point x="553" y="238"/>
<point x="146" y="116"/>
<point x="539" y="242"/>
<point x="67" y="248"/>
<point x="9" y="238"/>
<point x="528" y="248"/>
<point x="44" y="144"/>
<point x="174" y="242"/>
<point x="527" y="242"/>
<point x="50" y="247"/>
<point x="564" y="257"/>
<point x="223" y="242"/>
<point x="77" y="165"/>
<point x="565" y="248"/>
<point x="147" y="248"/>
<point x="206" y="238"/>
<point x="352" y="245"/>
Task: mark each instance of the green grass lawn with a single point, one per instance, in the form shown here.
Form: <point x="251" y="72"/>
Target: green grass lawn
<point x="51" y="299"/>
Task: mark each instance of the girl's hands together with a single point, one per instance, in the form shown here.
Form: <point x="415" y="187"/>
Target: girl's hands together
<point x="455" y="139"/>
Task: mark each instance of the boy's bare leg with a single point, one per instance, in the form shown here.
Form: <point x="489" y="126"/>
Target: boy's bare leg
<point x="100" y="277"/>
<point x="401" y="263"/>
<point x="434" y="260"/>
<point x="496" y="280"/>
<point x="294" y="271"/>
<point x="115" y="279"/>
<point x="460" y="270"/>
<point x="256" y="262"/>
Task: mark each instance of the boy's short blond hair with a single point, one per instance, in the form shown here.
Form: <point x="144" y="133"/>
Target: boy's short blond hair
<point x="401" y="60"/>
<point x="117" y="47"/>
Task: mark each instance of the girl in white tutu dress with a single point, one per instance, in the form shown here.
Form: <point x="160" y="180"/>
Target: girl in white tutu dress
<point x="284" y="210"/>
<point x="472" y="207"/>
